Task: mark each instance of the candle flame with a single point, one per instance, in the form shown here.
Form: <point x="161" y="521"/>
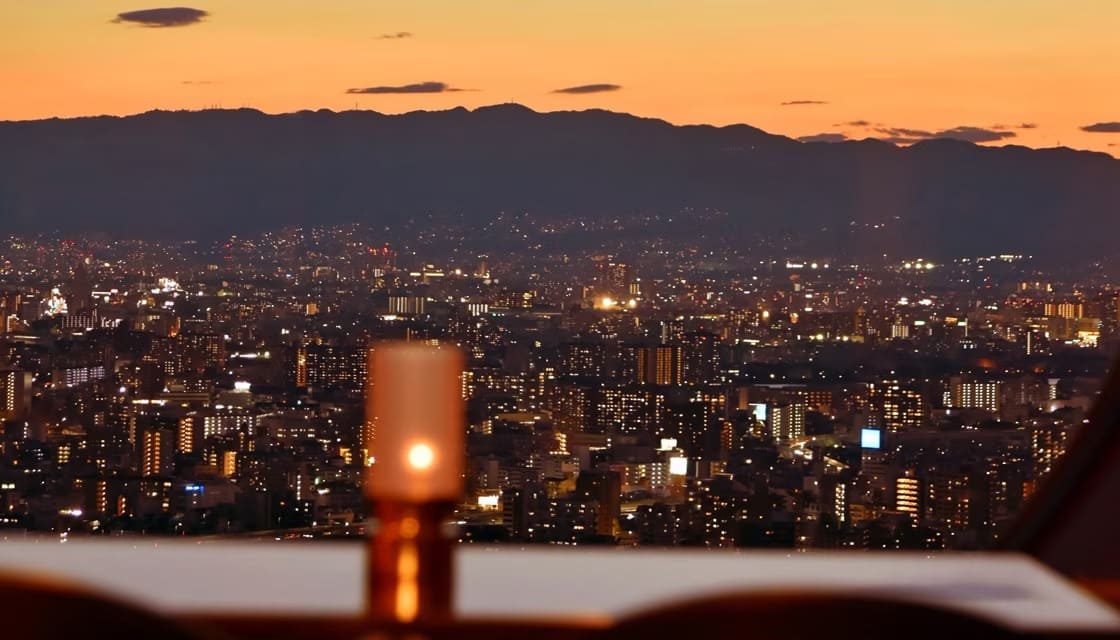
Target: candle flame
<point x="421" y="456"/>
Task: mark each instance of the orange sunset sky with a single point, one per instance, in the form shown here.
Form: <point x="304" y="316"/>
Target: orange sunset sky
<point x="1032" y="72"/>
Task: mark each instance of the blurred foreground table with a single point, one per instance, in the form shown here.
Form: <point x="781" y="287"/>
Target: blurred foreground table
<point x="576" y="587"/>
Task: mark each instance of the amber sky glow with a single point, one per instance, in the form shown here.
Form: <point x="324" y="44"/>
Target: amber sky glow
<point x="928" y="65"/>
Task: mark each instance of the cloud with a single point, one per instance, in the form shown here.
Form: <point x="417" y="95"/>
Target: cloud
<point x="589" y="88"/>
<point x="1102" y="127"/>
<point x="824" y="137"/>
<point x="902" y="132"/>
<point x="1022" y="125"/>
<point x="163" y="17"/>
<point x="794" y="103"/>
<point x="974" y="134"/>
<point x="853" y="123"/>
<point x="903" y="135"/>
<point x="419" y="87"/>
<point x="399" y="35"/>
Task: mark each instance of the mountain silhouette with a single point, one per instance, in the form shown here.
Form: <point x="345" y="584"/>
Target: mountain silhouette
<point x="208" y="174"/>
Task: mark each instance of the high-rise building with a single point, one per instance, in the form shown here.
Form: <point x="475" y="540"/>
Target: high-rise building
<point x="947" y="500"/>
<point x="200" y="351"/>
<point x="572" y="408"/>
<point x="787" y="421"/>
<point x="189" y="429"/>
<point x="908" y="495"/>
<point x="70" y="377"/>
<point x="1065" y="309"/>
<point x="15" y="394"/>
<point x="672" y="331"/>
<point x="613" y="278"/>
<point x="662" y="365"/>
<point x="1049" y="440"/>
<point x="967" y="393"/>
<point x="9" y="307"/>
<point x="322" y="365"/>
<point x="900" y="405"/>
<point x="605" y="488"/>
<point x="700" y="357"/>
<point x="582" y="359"/>
<point x="80" y="290"/>
<point x="157" y="452"/>
<point x="628" y="409"/>
<point x="406" y="305"/>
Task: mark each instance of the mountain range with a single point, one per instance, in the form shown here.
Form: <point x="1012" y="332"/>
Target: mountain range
<point x="208" y="174"/>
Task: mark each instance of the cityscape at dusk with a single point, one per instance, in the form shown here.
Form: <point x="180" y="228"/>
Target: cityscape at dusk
<point x="669" y="392"/>
<point x="604" y="319"/>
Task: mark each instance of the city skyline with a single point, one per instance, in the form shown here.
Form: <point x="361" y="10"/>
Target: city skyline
<point x="1036" y="74"/>
<point x="613" y="393"/>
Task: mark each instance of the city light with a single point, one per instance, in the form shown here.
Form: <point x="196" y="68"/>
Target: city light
<point x="563" y="399"/>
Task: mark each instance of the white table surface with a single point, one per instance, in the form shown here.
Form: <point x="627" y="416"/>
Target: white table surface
<point x="182" y="576"/>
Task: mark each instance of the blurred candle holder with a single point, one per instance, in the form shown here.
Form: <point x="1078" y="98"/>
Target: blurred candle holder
<point x="415" y="414"/>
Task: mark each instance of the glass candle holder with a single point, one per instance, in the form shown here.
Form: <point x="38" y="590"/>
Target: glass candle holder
<point x="415" y="432"/>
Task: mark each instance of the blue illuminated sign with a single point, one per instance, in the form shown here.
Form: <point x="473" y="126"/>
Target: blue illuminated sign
<point x="870" y="438"/>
